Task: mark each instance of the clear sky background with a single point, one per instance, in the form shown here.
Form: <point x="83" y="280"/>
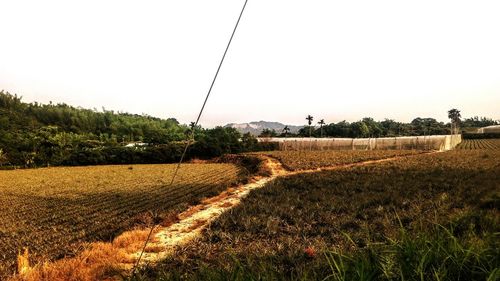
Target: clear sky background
<point x="332" y="59"/>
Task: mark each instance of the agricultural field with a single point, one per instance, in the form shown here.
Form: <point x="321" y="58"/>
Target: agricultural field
<point x="480" y="144"/>
<point x="304" y="160"/>
<point x="425" y="217"/>
<point x="54" y="211"/>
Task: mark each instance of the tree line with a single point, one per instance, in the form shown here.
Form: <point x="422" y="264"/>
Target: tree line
<point x="368" y="127"/>
<point x="34" y="135"/>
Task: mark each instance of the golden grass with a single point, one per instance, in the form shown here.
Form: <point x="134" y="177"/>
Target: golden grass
<point x="100" y="261"/>
<point x="23" y="264"/>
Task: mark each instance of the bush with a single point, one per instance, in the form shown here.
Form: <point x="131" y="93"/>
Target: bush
<point x="267" y="146"/>
<point x="165" y="153"/>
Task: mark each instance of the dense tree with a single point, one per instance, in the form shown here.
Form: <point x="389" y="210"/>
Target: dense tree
<point x="268" y="133"/>
<point x="373" y="127"/>
<point x="361" y="129"/>
<point x="477" y="122"/>
<point x="15" y="114"/>
<point x="390" y="127"/>
<point x="367" y="127"/>
<point x="428" y="126"/>
<point x="216" y="142"/>
<point x="33" y="134"/>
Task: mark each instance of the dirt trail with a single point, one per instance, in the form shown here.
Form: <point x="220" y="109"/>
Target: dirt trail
<point x="125" y="250"/>
<point x="194" y="220"/>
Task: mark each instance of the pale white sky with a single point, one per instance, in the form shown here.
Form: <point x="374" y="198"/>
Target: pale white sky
<point x="333" y="59"/>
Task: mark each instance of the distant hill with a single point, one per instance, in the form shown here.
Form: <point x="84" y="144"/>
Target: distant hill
<point x="255" y="128"/>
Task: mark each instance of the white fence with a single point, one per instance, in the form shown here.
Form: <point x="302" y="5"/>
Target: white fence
<point x="441" y="143"/>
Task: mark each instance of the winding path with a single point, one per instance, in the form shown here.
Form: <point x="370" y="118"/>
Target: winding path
<point x="125" y="250"/>
<point x="194" y="220"/>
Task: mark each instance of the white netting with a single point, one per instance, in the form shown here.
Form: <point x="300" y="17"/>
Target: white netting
<point x="441" y="143"/>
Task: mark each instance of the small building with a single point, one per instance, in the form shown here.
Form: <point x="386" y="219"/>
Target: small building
<point x="136" y="144"/>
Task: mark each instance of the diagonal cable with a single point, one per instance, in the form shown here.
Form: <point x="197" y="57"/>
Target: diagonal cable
<point x="191" y="136"/>
<point x="208" y="95"/>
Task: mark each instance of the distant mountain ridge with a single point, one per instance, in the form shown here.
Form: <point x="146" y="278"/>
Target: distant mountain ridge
<point x="255" y="128"/>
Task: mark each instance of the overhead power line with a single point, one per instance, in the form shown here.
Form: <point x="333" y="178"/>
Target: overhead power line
<point x="195" y="124"/>
<point x="208" y="94"/>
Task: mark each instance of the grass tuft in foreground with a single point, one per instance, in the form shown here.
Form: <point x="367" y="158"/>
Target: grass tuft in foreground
<point x="459" y="251"/>
<point x="443" y="253"/>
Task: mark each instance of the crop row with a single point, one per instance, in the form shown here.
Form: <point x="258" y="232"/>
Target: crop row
<point x="471" y="144"/>
<point x="53" y="211"/>
<point x="285" y="230"/>
<point x="303" y="160"/>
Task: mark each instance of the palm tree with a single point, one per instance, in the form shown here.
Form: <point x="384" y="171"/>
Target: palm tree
<point x="310" y="119"/>
<point x="454" y="115"/>
<point x="321" y="123"/>
<point x="286" y="130"/>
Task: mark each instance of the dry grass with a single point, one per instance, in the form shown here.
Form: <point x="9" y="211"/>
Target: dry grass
<point x="189" y="212"/>
<point x="219" y="197"/>
<point x="98" y="262"/>
<point x="23" y="263"/>
<point x="196" y="225"/>
<point x="54" y="211"/>
<point x="227" y="205"/>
